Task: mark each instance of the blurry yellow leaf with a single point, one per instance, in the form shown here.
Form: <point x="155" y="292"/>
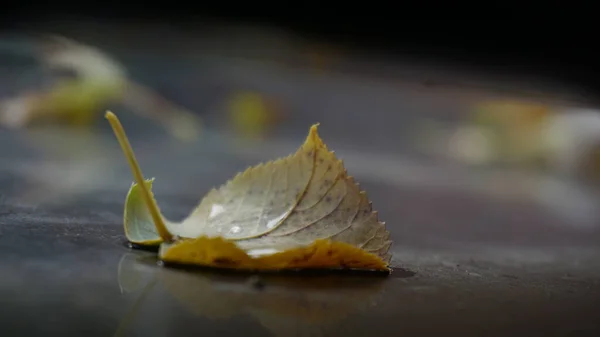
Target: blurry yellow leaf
<point x="100" y="81"/>
<point x="511" y="113"/>
<point x="301" y="211"/>
<point x="251" y="114"/>
<point x="515" y="127"/>
<point x="76" y="101"/>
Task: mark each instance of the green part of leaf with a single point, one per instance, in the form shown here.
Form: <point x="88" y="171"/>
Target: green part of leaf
<point x="139" y="227"/>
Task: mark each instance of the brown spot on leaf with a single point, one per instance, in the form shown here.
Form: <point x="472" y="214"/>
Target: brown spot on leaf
<point x="224" y="261"/>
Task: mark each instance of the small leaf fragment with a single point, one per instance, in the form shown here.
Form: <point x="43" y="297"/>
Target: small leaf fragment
<point x="301" y="211"/>
<point x="139" y="228"/>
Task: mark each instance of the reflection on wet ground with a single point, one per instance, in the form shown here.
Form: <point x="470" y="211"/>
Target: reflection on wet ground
<point x="71" y="282"/>
<point x="277" y="302"/>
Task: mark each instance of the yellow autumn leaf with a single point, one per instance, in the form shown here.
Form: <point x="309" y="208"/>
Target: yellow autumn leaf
<point x="515" y="129"/>
<point x="301" y="211"/>
<point x="99" y="81"/>
<point x="252" y="114"/>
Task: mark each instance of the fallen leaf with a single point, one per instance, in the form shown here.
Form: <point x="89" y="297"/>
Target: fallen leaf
<point x="515" y="129"/>
<point x="301" y="211"/>
<point x="73" y="100"/>
<point x="252" y="114"/>
<point x="98" y="80"/>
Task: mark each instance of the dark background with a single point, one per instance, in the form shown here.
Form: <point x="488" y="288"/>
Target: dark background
<point x="550" y="39"/>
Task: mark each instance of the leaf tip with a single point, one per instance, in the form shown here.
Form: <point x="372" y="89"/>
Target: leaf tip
<point x="313" y="138"/>
<point x="147" y="180"/>
<point x="314" y="130"/>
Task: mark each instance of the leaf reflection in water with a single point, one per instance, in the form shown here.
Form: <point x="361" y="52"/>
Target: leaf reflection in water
<point x="286" y="304"/>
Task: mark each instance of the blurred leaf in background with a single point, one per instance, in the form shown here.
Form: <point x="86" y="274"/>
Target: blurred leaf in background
<point x="523" y="135"/>
<point x="253" y="114"/>
<point x="572" y="143"/>
<point x="97" y="81"/>
<point x="515" y="128"/>
<point x="72" y="100"/>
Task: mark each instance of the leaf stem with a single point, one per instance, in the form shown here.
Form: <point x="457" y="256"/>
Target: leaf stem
<point x="139" y="177"/>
